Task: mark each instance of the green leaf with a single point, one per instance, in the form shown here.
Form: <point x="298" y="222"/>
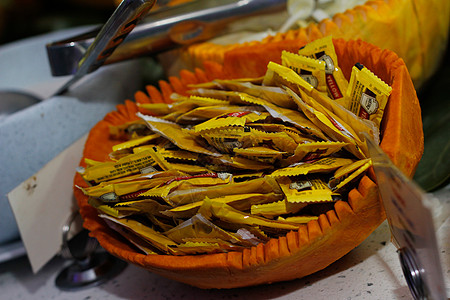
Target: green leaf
<point x="433" y="170"/>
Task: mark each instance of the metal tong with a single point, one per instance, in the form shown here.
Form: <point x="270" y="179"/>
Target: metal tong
<point x="112" y="34"/>
<point x="163" y="30"/>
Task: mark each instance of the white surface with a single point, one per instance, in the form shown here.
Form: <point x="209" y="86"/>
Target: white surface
<point x="371" y="271"/>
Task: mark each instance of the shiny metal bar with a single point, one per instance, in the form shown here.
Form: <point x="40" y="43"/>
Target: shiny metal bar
<point x="164" y="30"/>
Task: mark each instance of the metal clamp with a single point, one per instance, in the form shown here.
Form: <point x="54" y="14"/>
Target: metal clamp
<point x="91" y="265"/>
<point x="413" y="274"/>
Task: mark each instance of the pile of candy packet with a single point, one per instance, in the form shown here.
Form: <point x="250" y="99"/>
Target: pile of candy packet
<point x="237" y="162"/>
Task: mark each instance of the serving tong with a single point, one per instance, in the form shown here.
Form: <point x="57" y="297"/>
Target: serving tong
<point x="108" y="38"/>
<point x="122" y="38"/>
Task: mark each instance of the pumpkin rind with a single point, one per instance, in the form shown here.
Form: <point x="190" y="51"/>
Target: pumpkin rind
<point x="415" y="36"/>
<point x="315" y="245"/>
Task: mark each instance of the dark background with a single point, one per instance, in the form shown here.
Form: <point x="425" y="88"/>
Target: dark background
<point x="24" y="18"/>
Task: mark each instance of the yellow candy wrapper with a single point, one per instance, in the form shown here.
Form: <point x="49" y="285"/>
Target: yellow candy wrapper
<point x="159" y="159"/>
<point x="109" y="210"/>
<point x="230" y="96"/>
<point x="156" y="109"/>
<point x="275" y="127"/>
<point x="305" y="190"/>
<point x="341" y="173"/>
<point x="234" y="163"/>
<point x="312" y="151"/>
<point x="199" y="248"/>
<point x="129" y="187"/>
<point x="239" y="177"/>
<point x="325" y="105"/>
<point x="240" y="202"/>
<point x="278" y="140"/>
<point x="335" y="128"/>
<point x="140" y="243"/>
<point x="127" y="165"/>
<point x="335" y="112"/>
<point x="299" y="219"/>
<point x="259" y="185"/>
<point x="183" y="183"/>
<point x="211" y="208"/>
<point x="311" y="70"/>
<point x="271" y="210"/>
<point x="125" y="131"/>
<point x="157" y="239"/>
<point x="191" y="169"/>
<point x="323" y="49"/>
<point x="323" y="165"/>
<point x="273" y="94"/>
<point x="262" y="154"/>
<point x="135" y="142"/>
<point x="230" y="119"/>
<point x="204" y="113"/>
<point x="199" y="227"/>
<point x="178" y="155"/>
<point x="297" y="119"/>
<point x="367" y="94"/>
<point x="226" y="139"/>
<point x="279" y="75"/>
<point x="174" y="133"/>
<point x="347" y="180"/>
<point x="145" y="206"/>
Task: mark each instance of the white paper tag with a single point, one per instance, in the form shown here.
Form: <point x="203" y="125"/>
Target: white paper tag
<point x="43" y="203"/>
<point x="410" y="218"/>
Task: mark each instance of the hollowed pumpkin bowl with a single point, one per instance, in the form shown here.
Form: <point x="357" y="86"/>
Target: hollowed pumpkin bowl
<point x="313" y="246"/>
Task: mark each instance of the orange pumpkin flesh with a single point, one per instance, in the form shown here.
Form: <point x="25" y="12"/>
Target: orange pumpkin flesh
<point x="315" y="245"/>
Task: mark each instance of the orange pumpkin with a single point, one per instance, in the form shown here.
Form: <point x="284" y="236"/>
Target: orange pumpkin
<point x="417" y="30"/>
<point x="318" y="243"/>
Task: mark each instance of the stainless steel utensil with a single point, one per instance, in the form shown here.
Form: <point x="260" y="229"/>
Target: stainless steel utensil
<point x="167" y="29"/>
<point x="111" y="35"/>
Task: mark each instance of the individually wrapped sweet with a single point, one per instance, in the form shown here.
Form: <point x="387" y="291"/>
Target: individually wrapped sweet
<point x="275" y="209"/>
<point x="273" y="94"/>
<point x="311" y="70"/>
<point x="157" y="239"/>
<point x="333" y="127"/>
<point x="367" y="95"/>
<point x="297" y="119"/>
<point x="306" y="190"/>
<point x="211" y="208"/>
<point x="313" y="150"/>
<point x="175" y="134"/>
<point x="349" y="180"/>
<point x="323" y="49"/>
<point x="127" y="165"/>
<point x="231" y="119"/>
<point x="323" y="165"/>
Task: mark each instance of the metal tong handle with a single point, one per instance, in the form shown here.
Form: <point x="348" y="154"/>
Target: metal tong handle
<point x="168" y="28"/>
<point x="112" y="34"/>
